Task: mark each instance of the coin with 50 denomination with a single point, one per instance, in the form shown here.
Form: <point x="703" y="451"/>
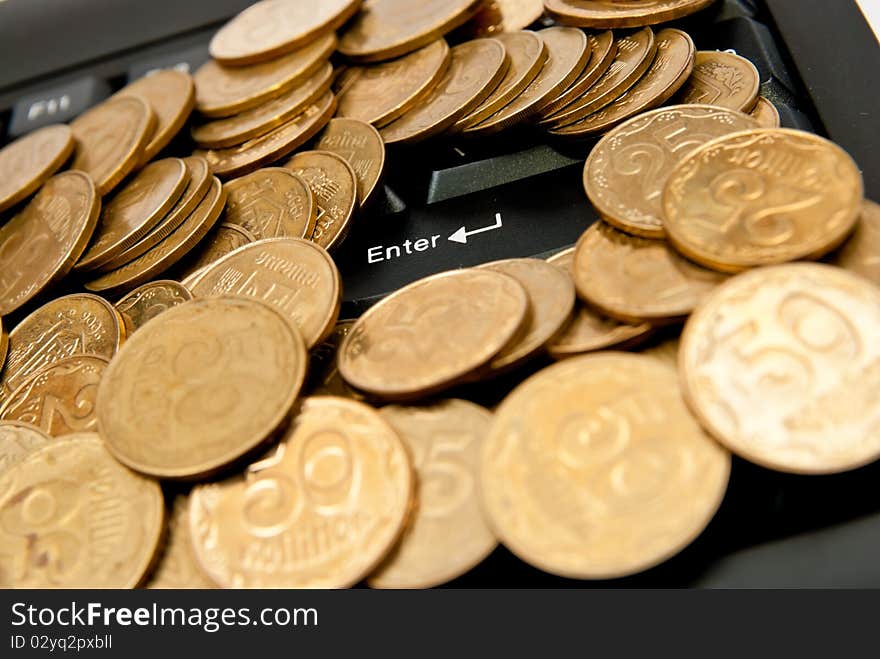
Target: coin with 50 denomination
<point x="148" y="301"/>
<point x="271" y="203"/>
<point x="29" y="161"/>
<point x="362" y="147"/>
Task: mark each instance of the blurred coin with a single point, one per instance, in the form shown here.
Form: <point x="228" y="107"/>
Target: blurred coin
<point x="595" y="469"/>
<point x="603" y="50"/>
<point x="324" y="376"/>
<point x="362" y="147"/>
<point x="17" y="441"/>
<point x="222" y="91"/>
<point x="486" y="22"/>
<point x="29" y="161"/>
<point x="223" y="239"/>
<point x="340" y="477"/>
<point x="134" y="211"/>
<point x="41" y="243"/>
<point x="722" y="79"/>
<point x="627" y="170"/>
<point x="178" y="568"/>
<point x="111" y="139"/>
<point x="861" y="253"/>
<point x="148" y="301"/>
<point x="434" y="332"/>
<point x="761" y="197"/>
<point x="667" y="352"/>
<point x="380" y="93"/>
<point x="638" y="280"/>
<point x="782" y="366"/>
<point x="447" y="534"/>
<point x="271" y="203"/>
<point x="76" y="518"/>
<point x="271" y="28"/>
<point x="519" y="14"/>
<point x="385" y="29"/>
<point x="605" y="14"/>
<point x="765" y="113"/>
<point x="59" y="398"/>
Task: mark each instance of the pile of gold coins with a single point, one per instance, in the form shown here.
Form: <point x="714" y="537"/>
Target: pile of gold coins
<point x="181" y="406"/>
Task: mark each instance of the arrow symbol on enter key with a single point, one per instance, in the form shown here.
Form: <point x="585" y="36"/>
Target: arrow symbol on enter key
<point x="462" y="234"/>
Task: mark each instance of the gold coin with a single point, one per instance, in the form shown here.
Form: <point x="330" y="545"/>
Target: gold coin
<point x="222" y="91"/>
<point x="79" y="324"/>
<point x="172" y="96"/>
<point x="333" y="183"/>
<point x="613" y="13"/>
<point x="274" y="145"/>
<point x="76" y="518"/>
<point x="385" y="29"/>
<point x="41" y="243"/>
<point x="635" y="52"/>
<point x="321" y="512"/>
<point x="782" y="366"/>
<point x="765" y="113"/>
<point x="667" y="352"/>
<point x="603" y="50"/>
<point x="111" y="139"/>
<point x="223" y="239"/>
<point x="486" y="22"/>
<point x="627" y="170"/>
<point x="166" y="253"/>
<point x="239" y="128"/>
<point x="201" y="386"/>
<point x="722" y="79"/>
<point x="432" y="333"/>
<point x="271" y="28"/>
<point x="447" y="534"/>
<point x="551" y="297"/>
<point x="17" y="441"/>
<point x="178" y="568"/>
<point x="4" y="344"/>
<point x="59" y="398"/>
<point x="761" y="197"/>
<point x="380" y="93"/>
<point x="134" y="211"/>
<point x="528" y="55"/>
<point x="670" y="69"/>
<point x="272" y="203"/>
<point x="638" y="280"/>
<point x="324" y="376"/>
<point x="477" y="68"/>
<point x="29" y="161"/>
<point x="861" y="253"/>
<point x="145" y="303"/>
<point x="295" y="277"/>
<point x="589" y="330"/>
<point x="568" y="53"/>
<point x="519" y="14"/>
<point x="362" y="147"/>
<point x="595" y="469"/>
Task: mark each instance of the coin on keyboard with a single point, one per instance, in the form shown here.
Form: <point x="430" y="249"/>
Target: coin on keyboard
<point x="134" y="211"/>
<point x="295" y="277"/>
<point x="341" y="477"/>
<point x="78" y="324"/>
<point x="239" y="128"/>
<point x="761" y="197"/>
<point x="166" y="253"/>
<point x="271" y="28"/>
<point x="178" y="568"/>
<point x="433" y="333"/>
<point x="528" y="55"/>
<point x="782" y="366"/>
<point x="222" y="91"/>
<point x="447" y="534"/>
<point x="223" y="239"/>
<point x="333" y="183"/>
<point x="41" y="243"/>
<point x="274" y="145"/>
<point x="361" y="145"/>
<point x="861" y="253"/>
<point x="604" y="14"/>
<point x="29" y="161"/>
<point x="638" y="280"/>
<point x="551" y="296"/>
<point x="385" y="29"/>
<point x="589" y="330"/>
<point x="148" y="301"/>
<point x="76" y="518"/>
<point x="324" y="377"/>
<point x="59" y="398"/>
<point x="635" y="52"/>
<point x="172" y="96"/>
<point x="722" y="79"/>
<point x="380" y="93"/>
<point x="568" y="53"/>
<point x="477" y="68"/>
<point x="603" y="50"/>
<point x="765" y="113"/>
<point x="595" y="469"/>
<point x="220" y="376"/>
<point x="111" y="139"/>
<point x="271" y="203"/>
<point x="670" y="69"/>
<point x="17" y="441"/>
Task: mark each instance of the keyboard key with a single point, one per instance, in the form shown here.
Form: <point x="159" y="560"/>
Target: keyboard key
<point x="186" y="60"/>
<point x="56" y="104"/>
